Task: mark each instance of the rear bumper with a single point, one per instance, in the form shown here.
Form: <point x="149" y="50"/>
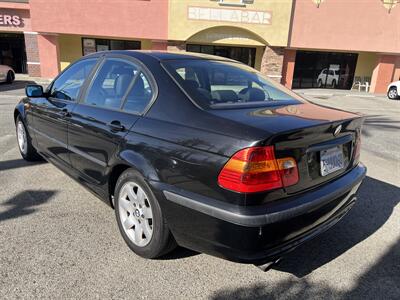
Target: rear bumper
<point x="257" y="234"/>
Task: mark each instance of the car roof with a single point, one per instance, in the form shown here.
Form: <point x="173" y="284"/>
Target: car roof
<point x="164" y="55"/>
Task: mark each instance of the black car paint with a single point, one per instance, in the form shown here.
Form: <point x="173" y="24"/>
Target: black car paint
<point x="180" y="149"/>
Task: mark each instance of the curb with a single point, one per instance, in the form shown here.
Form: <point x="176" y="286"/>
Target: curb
<point x="38" y="80"/>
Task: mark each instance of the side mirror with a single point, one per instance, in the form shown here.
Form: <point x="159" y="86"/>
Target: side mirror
<point x="34" y="90"/>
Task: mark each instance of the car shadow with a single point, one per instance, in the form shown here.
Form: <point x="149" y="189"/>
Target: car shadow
<point x="16" y="85"/>
<point x="376" y="201"/>
<point x="24" y="203"/>
<point x="179" y="253"/>
<point x="380" y="281"/>
<point x="379" y="123"/>
<point x="18" y="163"/>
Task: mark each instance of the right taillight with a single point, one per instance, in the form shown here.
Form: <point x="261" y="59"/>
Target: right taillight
<point x="256" y="169"/>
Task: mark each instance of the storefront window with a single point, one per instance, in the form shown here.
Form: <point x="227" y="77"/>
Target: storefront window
<point x="324" y="70"/>
<point x="90" y="45"/>
<point x="242" y="54"/>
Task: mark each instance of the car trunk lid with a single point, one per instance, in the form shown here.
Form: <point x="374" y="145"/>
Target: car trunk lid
<point x="310" y="134"/>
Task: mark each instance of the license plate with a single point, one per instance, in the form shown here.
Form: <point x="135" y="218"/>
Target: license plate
<point x="331" y="160"/>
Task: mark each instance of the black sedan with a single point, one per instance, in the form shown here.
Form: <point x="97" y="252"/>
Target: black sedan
<point x="196" y="150"/>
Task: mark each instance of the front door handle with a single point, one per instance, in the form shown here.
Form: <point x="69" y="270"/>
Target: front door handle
<point x="116" y="126"/>
<point x="65" y="113"/>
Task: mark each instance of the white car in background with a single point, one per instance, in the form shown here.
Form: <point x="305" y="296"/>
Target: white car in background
<point x="393" y="90"/>
<point x="7" y="74"/>
<point x="331" y="77"/>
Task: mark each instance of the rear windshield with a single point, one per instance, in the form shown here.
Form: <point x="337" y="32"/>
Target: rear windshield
<point x="221" y="84"/>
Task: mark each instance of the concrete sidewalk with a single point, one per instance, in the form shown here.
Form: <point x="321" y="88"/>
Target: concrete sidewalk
<point x="27" y="78"/>
<point x="322" y="93"/>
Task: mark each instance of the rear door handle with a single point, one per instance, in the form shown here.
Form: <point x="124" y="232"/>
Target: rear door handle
<point x="65" y="113"/>
<point x="116" y="126"/>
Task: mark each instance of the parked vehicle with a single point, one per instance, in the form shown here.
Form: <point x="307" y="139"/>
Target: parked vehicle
<point x="196" y="150"/>
<point x="393" y="90"/>
<point x="328" y="77"/>
<point x="7" y="74"/>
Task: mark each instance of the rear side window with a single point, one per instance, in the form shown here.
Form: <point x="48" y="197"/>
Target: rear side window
<point x="69" y="83"/>
<point x="213" y="84"/>
<point x="111" y="83"/>
<point x="139" y="96"/>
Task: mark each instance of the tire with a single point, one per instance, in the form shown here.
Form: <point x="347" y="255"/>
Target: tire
<point x="10" y="77"/>
<point x="28" y="152"/>
<point x="334" y="84"/>
<point x="319" y="83"/>
<point x="392" y="93"/>
<point x="139" y="217"/>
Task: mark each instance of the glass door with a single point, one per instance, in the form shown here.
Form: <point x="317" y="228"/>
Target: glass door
<point x="324" y="70"/>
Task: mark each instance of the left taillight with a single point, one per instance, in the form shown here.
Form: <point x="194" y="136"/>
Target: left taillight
<point x="256" y="169"/>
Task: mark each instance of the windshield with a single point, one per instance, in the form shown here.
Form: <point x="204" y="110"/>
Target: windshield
<point x="215" y="84"/>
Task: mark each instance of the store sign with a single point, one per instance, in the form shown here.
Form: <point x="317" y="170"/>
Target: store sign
<point x="10" y="20"/>
<point x="229" y="15"/>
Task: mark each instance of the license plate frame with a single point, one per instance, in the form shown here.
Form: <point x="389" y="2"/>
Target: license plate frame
<point x="331" y="160"/>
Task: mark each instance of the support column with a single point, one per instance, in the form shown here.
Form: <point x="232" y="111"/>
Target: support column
<point x="383" y="73"/>
<point x="397" y="69"/>
<point x="49" y="54"/>
<point x="289" y="61"/>
<point x="159" y="45"/>
<point x="32" y="53"/>
<point x="272" y="62"/>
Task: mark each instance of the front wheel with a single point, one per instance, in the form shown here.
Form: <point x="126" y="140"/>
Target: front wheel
<point x="139" y="217"/>
<point x="334" y="84"/>
<point x="392" y="93"/>
<point x="28" y="152"/>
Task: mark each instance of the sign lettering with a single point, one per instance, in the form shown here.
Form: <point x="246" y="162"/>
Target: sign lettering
<point x="229" y="15"/>
<point x="10" y="20"/>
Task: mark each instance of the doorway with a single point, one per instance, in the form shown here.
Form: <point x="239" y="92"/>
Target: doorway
<point x="12" y="51"/>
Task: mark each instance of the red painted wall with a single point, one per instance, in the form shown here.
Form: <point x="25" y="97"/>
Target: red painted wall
<point x="383" y="73"/>
<point x="351" y="25"/>
<point x="117" y="18"/>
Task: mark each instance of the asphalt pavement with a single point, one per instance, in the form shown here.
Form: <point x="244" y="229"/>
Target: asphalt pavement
<point x="58" y="241"/>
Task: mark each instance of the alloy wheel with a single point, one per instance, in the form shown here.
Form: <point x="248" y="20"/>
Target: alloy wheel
<point x="393" y="94"/>
<point x="135" y="214"/>
<point x="21" y="136"/>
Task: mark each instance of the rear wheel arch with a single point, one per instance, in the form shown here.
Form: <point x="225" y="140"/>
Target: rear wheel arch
<point x="115" y="173"/>
<point x="131" y="160"/>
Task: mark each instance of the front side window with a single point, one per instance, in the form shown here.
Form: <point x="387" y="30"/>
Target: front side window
<point x="69" y="83"/>
<point x="111" y="83"/>
<point x="213" y="84"/>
